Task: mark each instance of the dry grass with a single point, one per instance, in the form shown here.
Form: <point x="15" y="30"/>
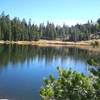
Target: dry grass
<point x="80" y="44"/>
<point x="45" y="42"/>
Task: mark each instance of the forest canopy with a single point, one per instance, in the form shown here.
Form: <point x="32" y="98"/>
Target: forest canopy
<point x="21" y="30"/>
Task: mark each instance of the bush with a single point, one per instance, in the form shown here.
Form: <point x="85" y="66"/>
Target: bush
<point x="96" y="73"/>
<point x="94" y="62"/>
<point x="95" y="44"/>
<point x="70" y="85"/>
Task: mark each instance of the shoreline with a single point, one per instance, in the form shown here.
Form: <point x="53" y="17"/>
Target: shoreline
<point x="51" y="43"/>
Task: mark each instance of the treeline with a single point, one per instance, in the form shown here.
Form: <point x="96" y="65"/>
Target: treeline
<point x="21" y="30"/>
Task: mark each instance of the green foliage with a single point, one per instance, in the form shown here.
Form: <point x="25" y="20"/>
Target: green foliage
<point x="16" y="29"/>
<point x="95" y="44"/>
<point x="70" y="85"/>
<point x="96" y="73"/>
<point x="94" y="62"/>
<point x="98" y="21"/>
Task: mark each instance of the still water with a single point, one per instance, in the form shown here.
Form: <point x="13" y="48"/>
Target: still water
<point x="22" y="68"/>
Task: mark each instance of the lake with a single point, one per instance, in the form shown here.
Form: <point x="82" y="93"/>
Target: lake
<point x="22" y="68"/>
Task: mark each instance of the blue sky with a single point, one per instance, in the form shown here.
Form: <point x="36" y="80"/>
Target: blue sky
<point x="57" y="11"/>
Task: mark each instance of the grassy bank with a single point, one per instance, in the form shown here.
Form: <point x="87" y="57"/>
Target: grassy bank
<point x="49" y="42"/>
<point x="80" y="44"/>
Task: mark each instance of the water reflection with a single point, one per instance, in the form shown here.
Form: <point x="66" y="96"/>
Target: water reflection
<point x="22" y="68"/>
<point x="18" y="53"/>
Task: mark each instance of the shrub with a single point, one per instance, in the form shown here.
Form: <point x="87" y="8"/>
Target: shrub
<point x="96" y="73"/>
<point x="95" y="44"/>
<point x="70" y="85"/>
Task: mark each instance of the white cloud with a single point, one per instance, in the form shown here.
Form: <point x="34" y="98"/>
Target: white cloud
<point x="62" y="22"/>
<point x="68" y="22"/>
